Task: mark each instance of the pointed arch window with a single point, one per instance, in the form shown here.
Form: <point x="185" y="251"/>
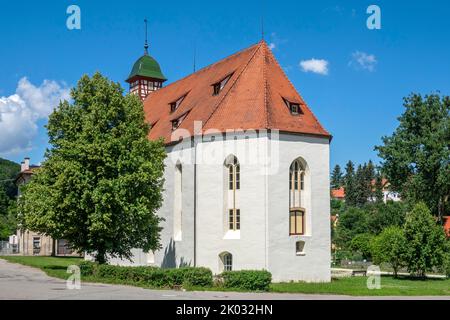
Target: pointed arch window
<point x="226" y="260"/>
<point x="234" y="185"/>
<point x="234" y="175"/>
<point x="297" y="198"/>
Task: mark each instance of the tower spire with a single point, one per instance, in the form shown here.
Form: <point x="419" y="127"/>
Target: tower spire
<point x="146" y="42"/>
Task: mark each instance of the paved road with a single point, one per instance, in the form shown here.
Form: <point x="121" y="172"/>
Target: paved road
<point x="22" y="282"/>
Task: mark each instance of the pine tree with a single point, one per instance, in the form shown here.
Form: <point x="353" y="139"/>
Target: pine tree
<point x="349" y="184"/>
<point x="336" y="177"/>
<point x="378" y="191"/>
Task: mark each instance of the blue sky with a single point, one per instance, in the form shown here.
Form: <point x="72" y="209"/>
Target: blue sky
<point x="358" y="99"/>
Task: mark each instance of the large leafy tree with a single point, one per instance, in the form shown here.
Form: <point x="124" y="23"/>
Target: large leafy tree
<point x="426" y="241"/>
<point x="417" y="155"/>
<point x="100" y="184"/>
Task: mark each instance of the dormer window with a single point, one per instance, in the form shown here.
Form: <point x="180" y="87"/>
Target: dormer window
<point x="294" y="107"/>
<point x="174" y="105"/>
<point x="176" y="122"/>
<point x="218" y="86"/>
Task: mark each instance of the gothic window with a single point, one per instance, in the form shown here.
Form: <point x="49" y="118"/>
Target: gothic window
<point x="297" y="198"/>
<point x="233" y="185"/>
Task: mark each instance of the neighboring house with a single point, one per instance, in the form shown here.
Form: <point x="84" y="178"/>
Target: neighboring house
<point x="338" y="194"/>
<point x="225" y="207"/>
<point x="32" y="243"/>
<point x="388" y="195"/>
<point x="446" y="225"/>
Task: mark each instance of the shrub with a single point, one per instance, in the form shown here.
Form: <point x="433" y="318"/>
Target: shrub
<point x="197" y="277"/>
<point x="390" y="247"/>
<point x="152" y="276"/>
<point x="446" y="264"/>
<point x="87" y="268"/>
<point x="247" y="279"/>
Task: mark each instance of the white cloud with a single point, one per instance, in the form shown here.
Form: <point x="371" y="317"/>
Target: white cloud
<point x="272" y="46"/>
<point x="362" y="60"/>
<point x="20" y="112"/>
<point x="319" y="66"/>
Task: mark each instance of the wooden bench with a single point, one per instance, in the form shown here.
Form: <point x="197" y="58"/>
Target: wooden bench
<point x="359" y="272"/>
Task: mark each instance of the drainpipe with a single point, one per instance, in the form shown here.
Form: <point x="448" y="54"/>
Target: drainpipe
<point x="195" y="201"/>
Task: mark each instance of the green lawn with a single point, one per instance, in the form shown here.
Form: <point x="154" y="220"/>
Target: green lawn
<point x="53" y="266"/>
<point x="356" y="286"/>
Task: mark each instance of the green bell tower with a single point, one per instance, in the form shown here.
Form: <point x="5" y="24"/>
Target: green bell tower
<point x="146" y="75"/>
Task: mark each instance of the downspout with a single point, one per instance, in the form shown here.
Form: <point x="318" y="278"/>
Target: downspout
<point x="195" y="202"/>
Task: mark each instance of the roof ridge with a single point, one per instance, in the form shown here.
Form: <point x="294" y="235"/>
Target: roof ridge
<point x="207" y="67"/>
<point x="266" y="108"/>
<point x="232" y="85"/>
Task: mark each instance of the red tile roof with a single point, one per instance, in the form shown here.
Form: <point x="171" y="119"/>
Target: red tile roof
<point x="338" y="193"/>
<point x="447" y="225"/>
<point x="251" y="99"/>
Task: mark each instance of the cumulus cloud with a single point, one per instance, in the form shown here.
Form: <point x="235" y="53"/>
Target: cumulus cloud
<point x="318" y="66"/>
<point x="20" y="113"/>
<point x="272" y="46"/>
<point x="364" y="61"/>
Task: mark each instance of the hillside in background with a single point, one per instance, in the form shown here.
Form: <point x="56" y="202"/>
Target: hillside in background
<point x="8" y="171"/>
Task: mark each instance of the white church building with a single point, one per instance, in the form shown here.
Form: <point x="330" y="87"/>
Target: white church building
<point x="247" y="171"/>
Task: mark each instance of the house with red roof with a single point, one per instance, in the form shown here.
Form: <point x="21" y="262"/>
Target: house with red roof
<point x="247" y="171"/>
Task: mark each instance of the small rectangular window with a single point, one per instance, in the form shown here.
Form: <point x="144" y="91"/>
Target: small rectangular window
<point x="238" y="219"/>
<point x="296" y="222"/>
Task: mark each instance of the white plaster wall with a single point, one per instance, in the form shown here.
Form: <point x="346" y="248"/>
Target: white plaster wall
<point x="263" y="241"/>
<point x="284" y="263"/>
<point x="248" y="245"/>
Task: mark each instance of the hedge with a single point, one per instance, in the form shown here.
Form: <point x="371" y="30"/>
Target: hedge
<point x="247" y="279"/>
<point x="152" y="276"/>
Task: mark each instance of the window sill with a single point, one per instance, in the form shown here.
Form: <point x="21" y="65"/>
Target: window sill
<point x="232" y="235"/>
<point x="300" y="254"/>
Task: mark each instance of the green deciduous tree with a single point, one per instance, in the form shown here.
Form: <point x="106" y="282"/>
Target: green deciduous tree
<point x="100" y="184"/>
<point x="362" y="243"/>
<point x="381" y="215"/>
<point x="417" y="155"/>
<point x="352" y="221"/>
<point x="390" y="247"/>
<point x="425" y="239"/>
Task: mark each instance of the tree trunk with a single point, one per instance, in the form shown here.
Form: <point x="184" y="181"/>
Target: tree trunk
<point x="101" y="256"/>
<point x="53" y="247"/>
